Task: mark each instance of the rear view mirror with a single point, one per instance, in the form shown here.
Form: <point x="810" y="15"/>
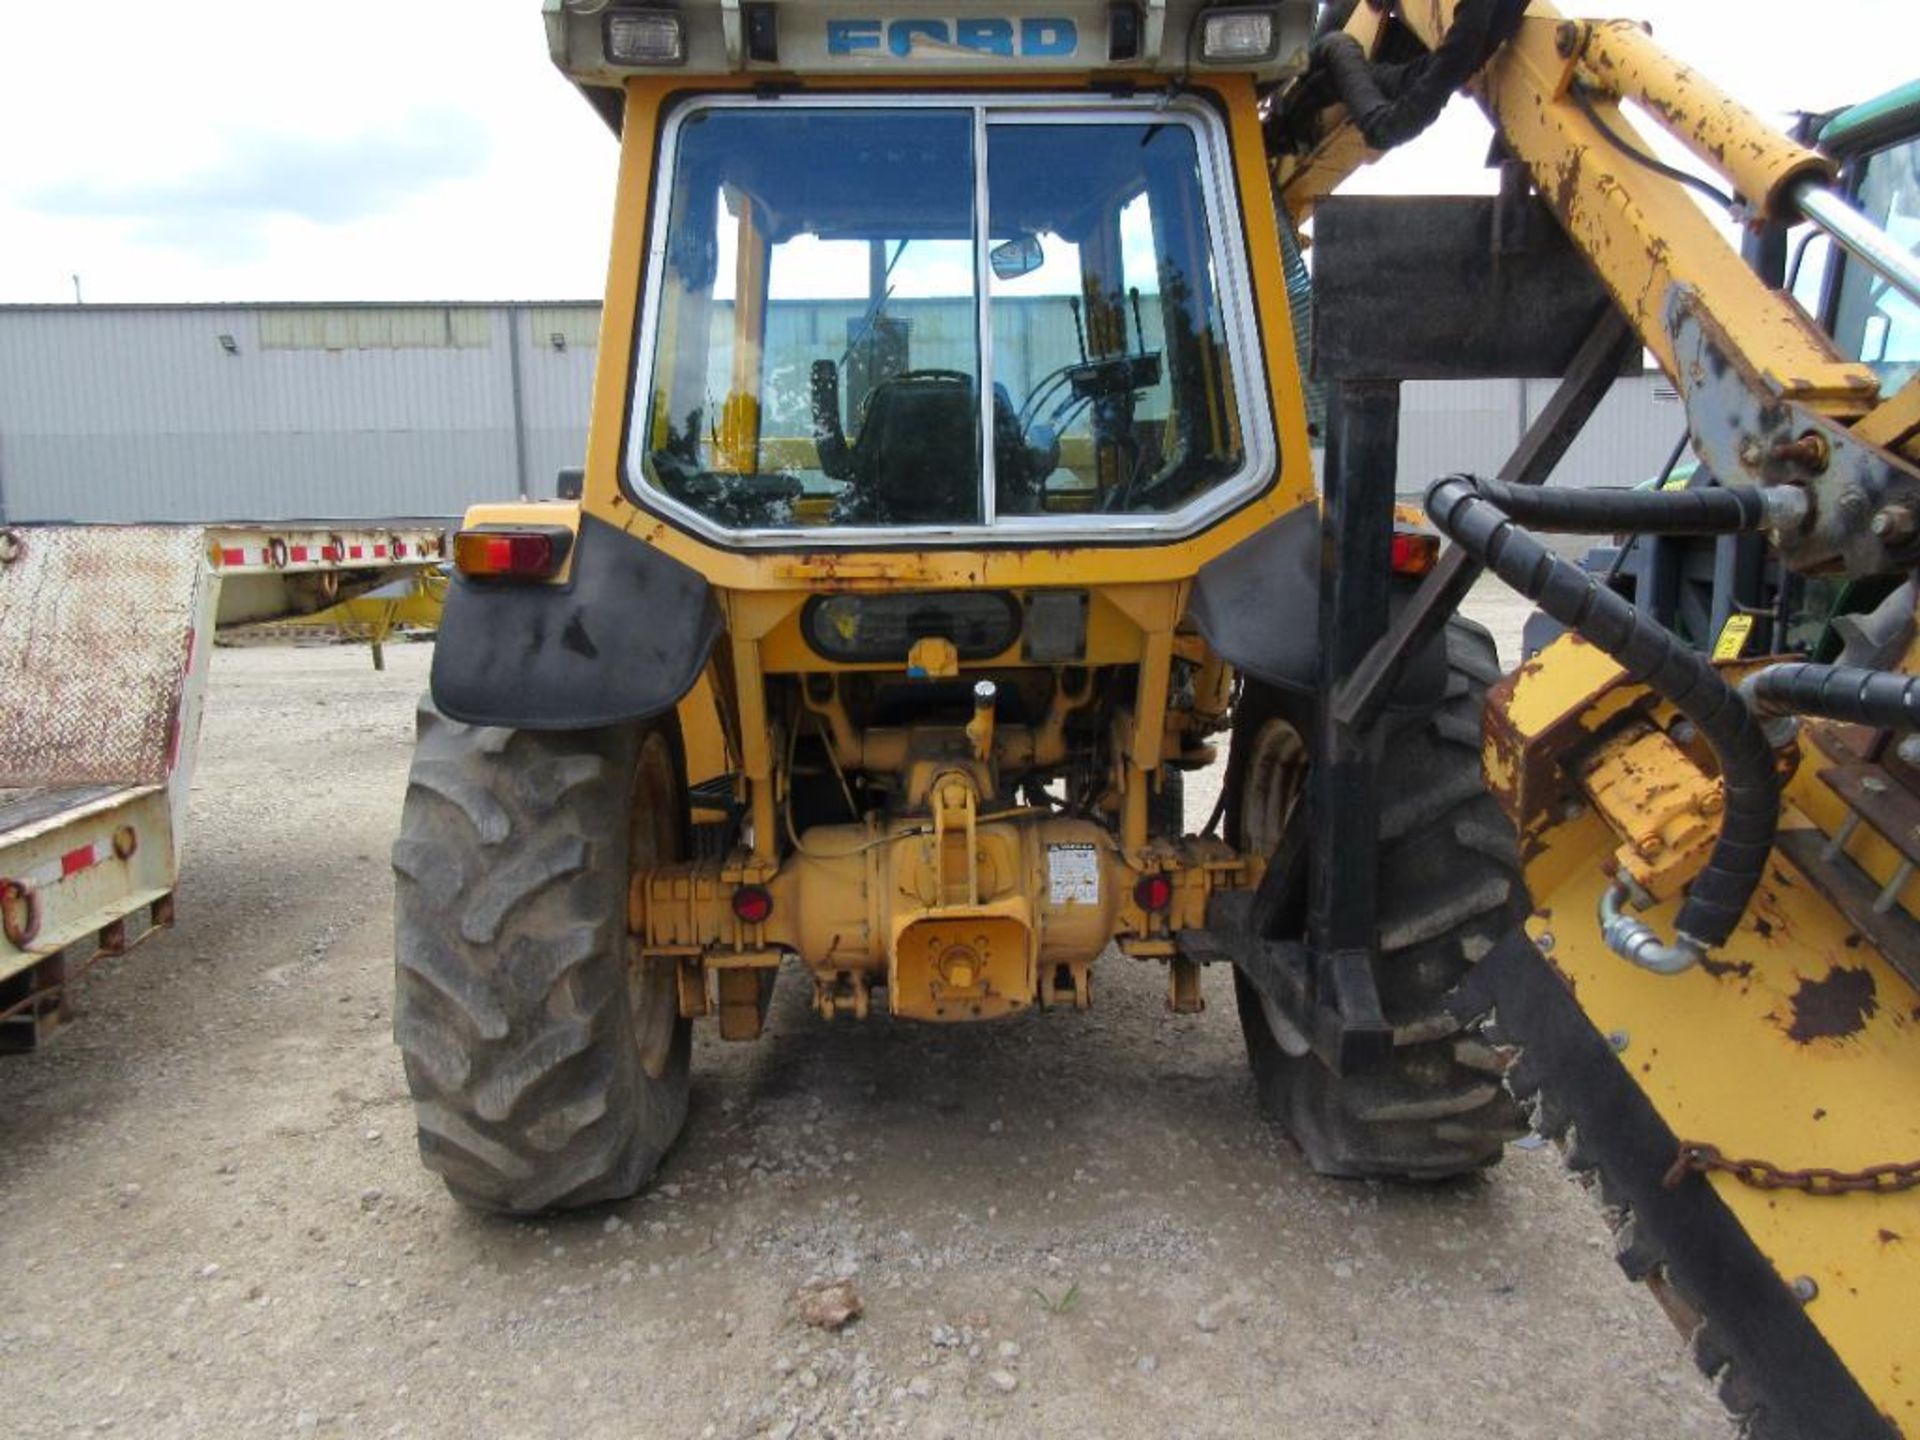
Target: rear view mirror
<point x="1013" y="258"/>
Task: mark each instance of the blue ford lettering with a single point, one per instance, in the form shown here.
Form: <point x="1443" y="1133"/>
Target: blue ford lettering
<point x="1037" y="37"/>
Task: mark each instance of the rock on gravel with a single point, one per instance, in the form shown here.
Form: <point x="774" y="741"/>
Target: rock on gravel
<point x="828" y="1306"/>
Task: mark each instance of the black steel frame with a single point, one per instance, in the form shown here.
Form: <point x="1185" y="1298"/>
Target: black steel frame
<point x="1516" y="254"/>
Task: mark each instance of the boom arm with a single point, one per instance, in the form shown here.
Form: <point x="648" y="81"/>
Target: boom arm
<point x="1769" y="398"/>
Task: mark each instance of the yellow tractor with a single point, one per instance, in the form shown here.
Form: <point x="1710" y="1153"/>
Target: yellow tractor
<point x="950" y="495"/>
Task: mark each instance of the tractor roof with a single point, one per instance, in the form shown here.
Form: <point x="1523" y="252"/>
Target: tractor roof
<point x="598" y="43"/>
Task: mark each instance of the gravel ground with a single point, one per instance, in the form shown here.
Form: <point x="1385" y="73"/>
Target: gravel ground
<point x="212" y="1221"/>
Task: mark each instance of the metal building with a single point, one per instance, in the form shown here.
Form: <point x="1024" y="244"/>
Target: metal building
<point x="275" y="412"/>
<point x="269" y="412"/>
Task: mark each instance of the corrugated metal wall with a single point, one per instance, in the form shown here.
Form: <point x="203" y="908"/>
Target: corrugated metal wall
<point x="283" y="412"/>
<point x="1474" y="425"/>
<point x="121" y="413"/>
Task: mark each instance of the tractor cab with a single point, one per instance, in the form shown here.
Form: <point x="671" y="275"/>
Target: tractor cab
<point x="970" y="278"/>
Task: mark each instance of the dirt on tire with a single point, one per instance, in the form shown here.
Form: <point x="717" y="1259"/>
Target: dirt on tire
<point x="515" y="1003"/>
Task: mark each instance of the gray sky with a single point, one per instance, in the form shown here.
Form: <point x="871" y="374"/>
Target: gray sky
<point x="372" y="149"/>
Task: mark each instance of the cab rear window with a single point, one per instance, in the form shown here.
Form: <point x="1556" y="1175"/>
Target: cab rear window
<point x="936" y="317"/>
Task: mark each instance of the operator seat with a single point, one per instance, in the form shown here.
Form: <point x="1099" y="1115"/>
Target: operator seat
<point x="913" y="461"/>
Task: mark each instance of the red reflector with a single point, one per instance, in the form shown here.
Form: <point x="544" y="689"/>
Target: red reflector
<point x="512" y="554"/>
<point x="752" y="903"/>
<point x="1153" y="893"/>
<point x="1414" y="554"/>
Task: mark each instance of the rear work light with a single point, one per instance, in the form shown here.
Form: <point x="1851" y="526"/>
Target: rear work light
<point x="534" y="552"/>
<point x="1238" y="37"/>
<point x="645" y="37"/>
<point x="1414" y="553"/>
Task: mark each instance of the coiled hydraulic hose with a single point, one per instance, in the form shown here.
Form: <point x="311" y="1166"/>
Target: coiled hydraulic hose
<point x="1392" y="103"/>
<point x="1850" y="693"/>
<point x="1710" y="510"/>
<point x="1464" y="509"/>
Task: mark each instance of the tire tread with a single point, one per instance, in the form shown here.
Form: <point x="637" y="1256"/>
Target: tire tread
<point x="1450" y="884"/>
<point x="511" y="1007"/>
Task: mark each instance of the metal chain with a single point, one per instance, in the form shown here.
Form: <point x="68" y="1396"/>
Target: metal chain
<point x="1698" y="1157"/>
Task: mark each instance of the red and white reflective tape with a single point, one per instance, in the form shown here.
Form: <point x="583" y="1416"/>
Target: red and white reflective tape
<point x="277" y="553"/>
<point x="20" y="893"/>
<point x="82" y="857"/>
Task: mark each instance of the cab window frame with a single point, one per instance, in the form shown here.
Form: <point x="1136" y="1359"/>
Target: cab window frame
<point x="1233" y="282"/>
<point x="1845" y="270"/>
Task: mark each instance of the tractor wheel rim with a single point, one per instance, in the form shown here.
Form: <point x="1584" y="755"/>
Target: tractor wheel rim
<point x="1275" y="785"/>
<point x="1276" y="781"/>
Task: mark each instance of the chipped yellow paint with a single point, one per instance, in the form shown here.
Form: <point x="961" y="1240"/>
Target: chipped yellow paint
<point x="1562" y="679"/>
<point x="1763" y="164"/>
<point x="1896" y="424"/>
<point x="1798" y="1044"/>
<point x="1642" y="233"/>
<point x="1660" y="805"/>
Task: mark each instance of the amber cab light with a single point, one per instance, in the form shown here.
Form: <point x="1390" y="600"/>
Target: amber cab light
<point x="1414" y="553"/>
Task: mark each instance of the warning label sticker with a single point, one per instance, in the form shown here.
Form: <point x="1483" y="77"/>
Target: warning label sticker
<point x="1073" y="875"/>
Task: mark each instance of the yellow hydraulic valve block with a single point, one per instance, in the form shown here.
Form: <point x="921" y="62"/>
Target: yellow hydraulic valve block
<point x="1650" y="791"/>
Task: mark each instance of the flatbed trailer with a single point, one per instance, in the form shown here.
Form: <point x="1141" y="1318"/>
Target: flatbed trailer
<point x="105" y="640"/>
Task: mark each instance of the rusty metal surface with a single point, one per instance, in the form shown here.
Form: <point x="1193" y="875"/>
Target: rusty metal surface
<point x="94" y="627"/>
<point x="1797" y="1043"/>
<point x="1763" y="164"/>
<point x="1881" y="801"/>
<point x="1888" y="1178"/>
<point x="1853" y="892"/>
<point x="20" y="808"/>
<point x="1662" y="804"/>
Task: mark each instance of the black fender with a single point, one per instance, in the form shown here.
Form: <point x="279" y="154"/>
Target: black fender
<point x="1258" y="606"/>
<point x="623" y="638"/>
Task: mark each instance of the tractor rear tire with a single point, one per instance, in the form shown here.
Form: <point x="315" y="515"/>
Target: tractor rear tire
<point x="1449" y="887"/>
<point x="548" y="1071"/>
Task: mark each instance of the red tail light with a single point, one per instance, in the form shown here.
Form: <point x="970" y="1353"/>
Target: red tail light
<point x="1414" y="553"/>
<point x="1153" y="893"/>
<point x="752" y="903"/>
<point x="533" y="553"/>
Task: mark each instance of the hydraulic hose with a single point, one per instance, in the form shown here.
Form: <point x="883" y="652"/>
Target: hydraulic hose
<point x="1710" y="510"/>
<point x="1849" y="693"/>
<point x="1462" y="510"/>
<point x="1392" y="103"/>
